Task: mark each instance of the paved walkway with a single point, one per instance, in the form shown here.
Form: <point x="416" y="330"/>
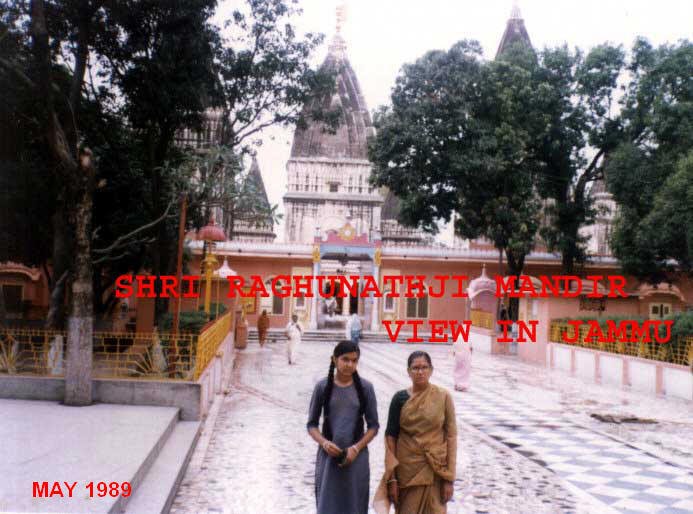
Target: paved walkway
<point x="527" y="442"/>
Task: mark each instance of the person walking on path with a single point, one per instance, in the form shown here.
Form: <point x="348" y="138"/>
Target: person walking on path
<point x="421" y="446"/>
<point x="263" y="324"/>
<point x="294" y="333"/>
<point x="462" y="352"/>
<point x="354" y="328"/>
<point x="342" y="472"/>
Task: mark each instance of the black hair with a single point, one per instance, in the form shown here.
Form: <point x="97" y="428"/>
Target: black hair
<point x="342" y="348"/>
<point x="416" y="355"/>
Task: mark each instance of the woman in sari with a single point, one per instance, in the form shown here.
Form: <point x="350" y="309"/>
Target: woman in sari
<point x="421" y="446"/>
<point x="263" y="324"/>
<point x="342" y="472"/>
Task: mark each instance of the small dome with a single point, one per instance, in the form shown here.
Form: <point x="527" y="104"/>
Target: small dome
<point x="481" y="284"/>
<point x="211" y="232"/>
<point x="645" y="290"/>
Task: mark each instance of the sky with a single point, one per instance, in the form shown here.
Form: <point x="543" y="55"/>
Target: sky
<point x="382" y="35"/>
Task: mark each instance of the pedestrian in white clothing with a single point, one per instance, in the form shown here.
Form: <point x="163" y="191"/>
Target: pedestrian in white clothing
<point x="293" y="332"/>
<point x="354" y="328"/>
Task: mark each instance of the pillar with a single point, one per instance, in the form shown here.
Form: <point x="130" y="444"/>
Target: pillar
<point x="377" y="259"/>
<point x="375" y="303"/>
<point x="313" y="324"/>
<point x="314" y="300"/>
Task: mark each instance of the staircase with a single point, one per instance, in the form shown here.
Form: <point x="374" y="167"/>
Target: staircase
<point x="156" y="482"/>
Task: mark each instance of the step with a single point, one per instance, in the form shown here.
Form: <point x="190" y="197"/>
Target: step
<point x="139" y="476"/>
<point x="48" y="442"/>
<point x="158" y="489"/>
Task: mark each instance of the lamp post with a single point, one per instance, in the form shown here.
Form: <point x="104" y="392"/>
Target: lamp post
<point x="179" y="264"/>
<point x="223" y="273"/>
<point x="210" y="234"/>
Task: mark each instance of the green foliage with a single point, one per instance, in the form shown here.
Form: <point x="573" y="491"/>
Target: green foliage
<point x="264" y="74"/>
<point x="683" y="325"/>
<point x="153" y="68"/>
<point x="490" y="139"/>
<point x="649" y="173"/>
<point x="456" y="139"/>
<point x="216" y="309"/>
<point x="191" y="321"/>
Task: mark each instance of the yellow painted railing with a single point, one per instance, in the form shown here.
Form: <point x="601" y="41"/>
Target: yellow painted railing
<point x="160" y="356"/>
<point x="208" y="342"/>
<point x="678" y="351"/>
<point x="28" y="351"/>
<point x="153" y="355"/>
<point x="481" y="319"/>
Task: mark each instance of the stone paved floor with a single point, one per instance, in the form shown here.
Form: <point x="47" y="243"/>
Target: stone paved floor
<point x="514" y="426"/>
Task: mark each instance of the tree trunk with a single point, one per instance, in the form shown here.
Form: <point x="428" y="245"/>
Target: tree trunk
<point x="55" y="319"/>
<point x="80" y="326"/>
<point x="76" y="174"/>
<point x="3" y="313"/>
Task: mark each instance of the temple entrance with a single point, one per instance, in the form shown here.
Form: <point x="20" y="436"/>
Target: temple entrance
<point x="354" y="303"/>
<point x="344" y="254"/>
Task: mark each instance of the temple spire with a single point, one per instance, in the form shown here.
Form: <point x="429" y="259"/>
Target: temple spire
<point x="515" y="31"/>
<point x="338" y="45"/>
<point x="341" y="16"/>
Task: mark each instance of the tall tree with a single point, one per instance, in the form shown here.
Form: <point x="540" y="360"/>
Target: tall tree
<point x="159" y="58"/>
<point x="75" y="170"/>
<point x="264" y="74"/>
<point x="456" y="139"/>
<point x="578" y="102"/>
<point x="650" y="163"/>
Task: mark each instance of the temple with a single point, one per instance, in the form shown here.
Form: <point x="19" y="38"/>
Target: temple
<point x="336" y="223"/>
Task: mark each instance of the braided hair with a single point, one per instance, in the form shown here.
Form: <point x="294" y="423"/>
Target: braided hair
<point x="342" y="348"/>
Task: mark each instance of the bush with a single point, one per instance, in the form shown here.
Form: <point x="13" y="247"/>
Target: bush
<point x="213" y="309"/>
<point x="683" y="325"/>
<point x="191" y="321"/>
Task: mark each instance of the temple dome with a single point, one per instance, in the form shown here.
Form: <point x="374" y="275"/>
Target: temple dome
<point x="349" y="140"/>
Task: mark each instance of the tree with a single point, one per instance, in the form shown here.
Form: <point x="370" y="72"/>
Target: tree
<point x="669" y="225"/>
<point x="264" y="73"/>
<point x="146" y="70"/>
<point x="457" y="139"/>
<point x="578" y="104"/>
<point x="216" y="177"/>
<point x="74" y="167"/>
<point x="647" y="172"/>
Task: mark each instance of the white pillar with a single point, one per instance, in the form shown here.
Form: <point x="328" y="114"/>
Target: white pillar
<point x="375" y="322"/>
<point x="314" y="301"/>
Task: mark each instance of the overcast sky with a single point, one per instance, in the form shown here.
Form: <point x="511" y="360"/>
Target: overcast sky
<point x="382" y="35"/>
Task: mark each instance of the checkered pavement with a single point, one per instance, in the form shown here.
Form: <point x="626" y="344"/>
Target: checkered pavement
<point x="617" y="474"/>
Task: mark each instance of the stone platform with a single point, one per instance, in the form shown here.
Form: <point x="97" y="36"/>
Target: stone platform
<point x="49" y="442"/>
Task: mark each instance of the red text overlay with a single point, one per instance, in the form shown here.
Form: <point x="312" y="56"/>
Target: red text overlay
<point x="72" y="489"/>
<point x="364" y="286"/>
<point x="422" y="286"/>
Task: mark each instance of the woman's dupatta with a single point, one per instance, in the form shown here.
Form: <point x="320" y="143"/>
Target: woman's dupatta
<point x="422" y="448"/>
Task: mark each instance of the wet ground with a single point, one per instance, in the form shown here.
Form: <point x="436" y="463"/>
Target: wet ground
<point x="527" y="442"/>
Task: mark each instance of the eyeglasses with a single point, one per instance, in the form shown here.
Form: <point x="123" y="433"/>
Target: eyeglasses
<point x="420" y="369"/>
